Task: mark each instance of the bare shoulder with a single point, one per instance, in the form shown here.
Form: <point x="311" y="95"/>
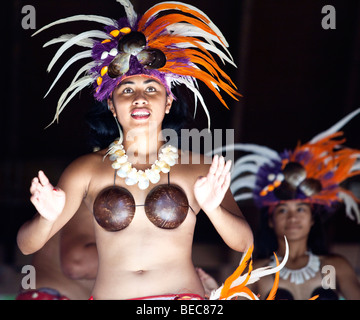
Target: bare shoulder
<point x="83" y="166"/>
<point x="335" y="260"/>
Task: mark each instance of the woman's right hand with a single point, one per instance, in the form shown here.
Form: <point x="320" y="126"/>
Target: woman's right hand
<point x="48" y="200"/>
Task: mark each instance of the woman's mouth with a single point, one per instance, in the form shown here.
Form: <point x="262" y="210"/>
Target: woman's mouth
<point x="140" y="114"/>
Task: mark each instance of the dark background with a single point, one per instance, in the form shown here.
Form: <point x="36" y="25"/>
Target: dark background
<point x="297" y="79"/>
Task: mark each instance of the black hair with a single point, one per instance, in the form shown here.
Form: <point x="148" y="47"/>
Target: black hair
<point x="179" y="116"/>
<point x="102" y="128"/>
<point x="266" y="241"/>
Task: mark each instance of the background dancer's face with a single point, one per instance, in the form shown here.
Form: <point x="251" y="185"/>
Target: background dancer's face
<point x="292" y="219"/>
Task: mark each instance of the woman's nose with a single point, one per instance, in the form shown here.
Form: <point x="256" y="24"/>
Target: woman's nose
<point x="140" y="100"/>
<point x="291" y="215"/>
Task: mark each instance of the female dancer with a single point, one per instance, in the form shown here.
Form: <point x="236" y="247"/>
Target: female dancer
<point x="296" y="191"/>
<point x="145" y="210"/>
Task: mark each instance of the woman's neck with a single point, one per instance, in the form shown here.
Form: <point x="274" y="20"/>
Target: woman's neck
<point x="297" y="248"/>
<point x="142" y="147"/>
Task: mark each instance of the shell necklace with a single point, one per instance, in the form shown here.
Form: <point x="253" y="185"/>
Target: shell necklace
<point x="301" y="275"/>
<point x="167" y="158"/>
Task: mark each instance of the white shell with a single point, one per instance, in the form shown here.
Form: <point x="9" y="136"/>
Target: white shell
<point x="130" y="181"/>
<point x="153" y="176"/>
<point x="116" y="165"/>
<point x="121" y="173"/>
<point x="143" y="184"/>
<point x="168" y="159"/>
<point x="113" y="52"/>
<point x="122" y="159"/>
<point x="104" y="55"/>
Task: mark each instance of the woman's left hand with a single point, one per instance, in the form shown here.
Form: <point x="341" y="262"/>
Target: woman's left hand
<point x="210" y="190"/>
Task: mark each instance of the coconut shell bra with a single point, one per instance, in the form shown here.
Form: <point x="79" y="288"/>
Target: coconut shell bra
<point x="166" y="206"/>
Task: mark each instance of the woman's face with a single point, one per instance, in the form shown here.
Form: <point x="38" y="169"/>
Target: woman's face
<point x="139" y="100"/>
<point x="292" y="219"/>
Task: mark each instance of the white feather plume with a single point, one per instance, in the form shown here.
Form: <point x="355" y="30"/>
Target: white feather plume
<point x="351" y="206"/>
<point x="75" y="40"/>
<point x="209" y="22"/>
<point x="244" y="182"/>
<point x="76" y="57"/>
<point x="74" y="88"/>
<point x="336" y="127"/>
<point x="255" y="275"/>
<point x="88" y="43"/>
<point x="129" y="10"/>
<point x="189" y="30"/>
<point x="80" y="17"/>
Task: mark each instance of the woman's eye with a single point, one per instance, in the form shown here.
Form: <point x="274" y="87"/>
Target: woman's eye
<point x="127" y="90"/>
<point x="150" y="89"/>
<point x="281" y="210"/>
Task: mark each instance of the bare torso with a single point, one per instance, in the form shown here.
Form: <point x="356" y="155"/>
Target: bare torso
<point x="142" y="259"/>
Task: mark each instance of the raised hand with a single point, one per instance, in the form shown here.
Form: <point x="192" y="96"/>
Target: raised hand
<point x="48" y="201"/>
<point x="210" y="190"/>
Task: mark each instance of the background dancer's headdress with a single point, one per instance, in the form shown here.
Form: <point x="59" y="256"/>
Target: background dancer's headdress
<point x="173" y="42"/>
<point x="312" y="172"/>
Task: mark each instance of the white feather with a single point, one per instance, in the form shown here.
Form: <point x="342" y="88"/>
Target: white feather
<point x="351" y="206"/>
<point x="207" y="47"/>
<point x="254" y="276"/>
<point x="356" y="166"/>
<point x="336" y="127"/>
<point x="243" y="196"/>
<point x="75" y="87"/>
<point x="209" y="23"/>
<point x="246" y="167"/>
<point x="244" y="182"/>
<point x="252" y="158"/>
<point x="197" y="95"/>
<point x="89" y="43"/>
<point x="188" y="30"/>
<point x="80" y="17"/>
<point x="84" y="68"/>
<point x="76" y="57"/>
<point x="74" y="40"/>
<point x="129" y="10"/>
<point x="265" y="152"/>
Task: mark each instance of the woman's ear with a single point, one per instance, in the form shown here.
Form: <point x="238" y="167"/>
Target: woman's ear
<point x="111" y="106"/>
<point x="169" y="101"/>
<point x="270" y="222"/>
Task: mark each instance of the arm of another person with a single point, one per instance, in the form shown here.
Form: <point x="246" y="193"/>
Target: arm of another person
<point x="55" y="206"/>
<point x="216" y="200"/>
<point x="78" y="252"/>
<point x="346" y="280"/>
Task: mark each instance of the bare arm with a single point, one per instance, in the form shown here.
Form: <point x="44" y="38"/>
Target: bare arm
<point x="346" y="279"/>
<point x="55" y="206"/>
<point x="215" y="199"/>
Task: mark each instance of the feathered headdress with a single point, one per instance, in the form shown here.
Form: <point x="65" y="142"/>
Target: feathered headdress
<point x="173" y="42"/>
<point x="312" y="172"/>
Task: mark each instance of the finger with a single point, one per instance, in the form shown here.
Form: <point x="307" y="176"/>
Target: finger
<point x="220" y="167"/>
<point x="43" y="178"/>
<point x="227" y="167"/>
<point x="227" y="181"/>
<point x="34" y="185"/>
<point x="214" y="164"/>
